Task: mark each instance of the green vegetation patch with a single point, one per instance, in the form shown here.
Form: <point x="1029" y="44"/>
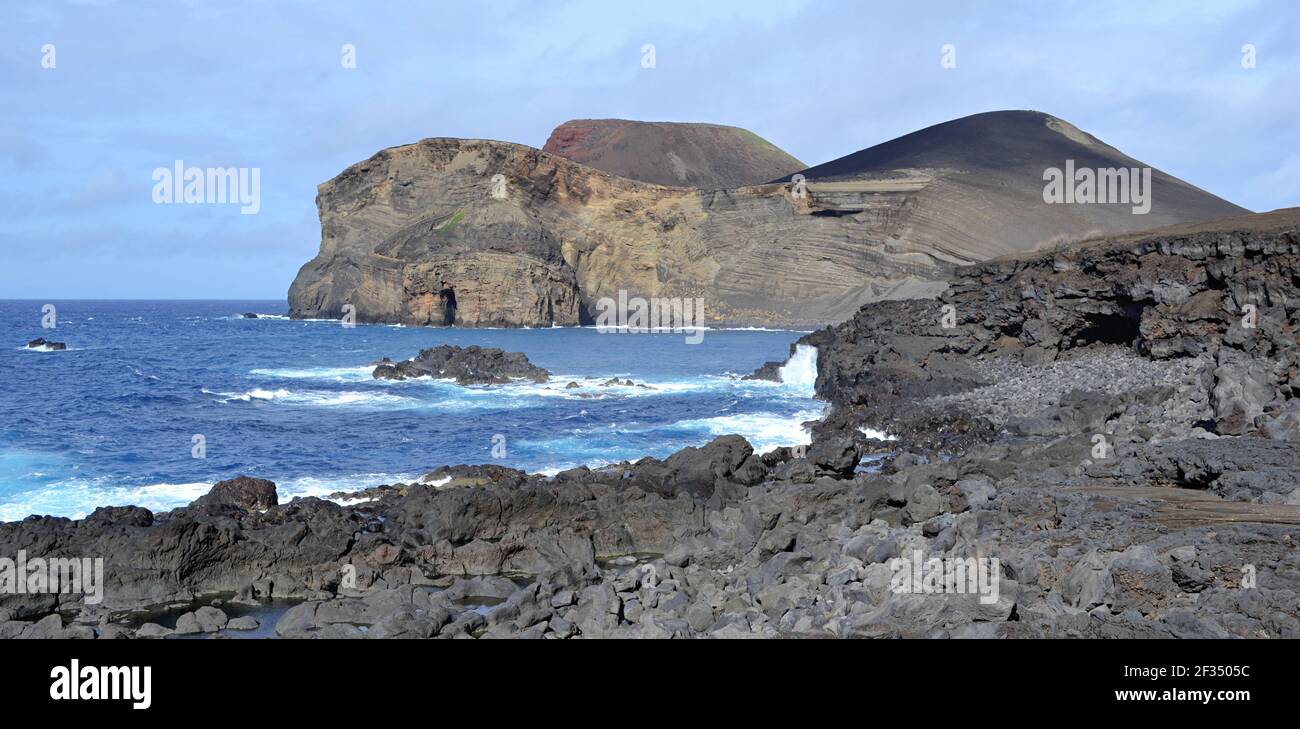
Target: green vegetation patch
<point x="450" y="223"/>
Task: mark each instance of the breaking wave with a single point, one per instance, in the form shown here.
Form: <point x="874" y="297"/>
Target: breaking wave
<point x="323" y="398"/>
<point x="800" y="370"/>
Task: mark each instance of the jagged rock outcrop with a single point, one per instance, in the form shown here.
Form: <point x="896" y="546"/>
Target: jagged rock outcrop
<point x="1216" y="302"/>
<point x="707" y="156"/>
<point x="480" y="233"/>
<point x="243" y="492"/>
<point x="712" y="542"/>
<point x="473" y="365"/>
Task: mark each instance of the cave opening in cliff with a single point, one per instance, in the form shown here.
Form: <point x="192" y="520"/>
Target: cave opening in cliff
<point x="447" y="296"/>
<point x="1109" y="329"/>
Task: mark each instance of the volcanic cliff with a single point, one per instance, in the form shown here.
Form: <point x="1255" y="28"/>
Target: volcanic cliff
<point x="482" y="233"/>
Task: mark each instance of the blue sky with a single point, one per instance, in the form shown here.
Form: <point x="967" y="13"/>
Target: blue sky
<point x="138" y="85"/>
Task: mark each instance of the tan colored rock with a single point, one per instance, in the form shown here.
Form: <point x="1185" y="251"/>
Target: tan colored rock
<point x="516" y="236"/>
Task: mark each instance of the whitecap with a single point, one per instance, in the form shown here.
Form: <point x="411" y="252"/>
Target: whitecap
<point x="594" y="387"/>
<point x="334" y="374"/>
<point x="75" y="498"/>
<point x="321" y="398"/>
<point x="765" y="431"/>
<point x="137" y="371"/>
<point x="550" y="472"/>
<point x="323" y="486"/>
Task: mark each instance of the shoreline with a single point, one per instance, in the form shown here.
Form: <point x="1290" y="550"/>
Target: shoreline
<point x="600" y="419"/>
<point x="1089" y="451"/>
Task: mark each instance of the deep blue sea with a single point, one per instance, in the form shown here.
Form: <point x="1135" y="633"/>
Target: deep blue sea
<point x="112" y="420"/>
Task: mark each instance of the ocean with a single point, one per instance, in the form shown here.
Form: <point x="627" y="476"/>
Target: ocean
<point x="119" y="417"/>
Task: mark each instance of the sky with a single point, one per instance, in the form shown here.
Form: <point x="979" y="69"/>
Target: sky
<point x="97" y="95"/>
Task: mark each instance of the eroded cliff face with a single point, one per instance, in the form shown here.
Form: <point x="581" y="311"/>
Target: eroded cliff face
<point x="414" y="236"/>
<point x="518" y="237"/>
<point x="481" y="233"/>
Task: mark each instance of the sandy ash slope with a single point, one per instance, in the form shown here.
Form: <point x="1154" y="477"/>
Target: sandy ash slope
<point x="707" y="156"/>
<point x="483" y="233"/>
<point x="981" y="183"/>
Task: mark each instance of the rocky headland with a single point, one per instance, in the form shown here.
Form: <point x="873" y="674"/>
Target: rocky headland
<point x="464" y="232"/>
<point x="1113" y="422"/>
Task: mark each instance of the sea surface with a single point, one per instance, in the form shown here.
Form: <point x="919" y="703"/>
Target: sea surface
<point x="113" y="420"/>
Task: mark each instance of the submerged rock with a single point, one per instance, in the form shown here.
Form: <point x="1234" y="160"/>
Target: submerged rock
<point x="42" y="343"/>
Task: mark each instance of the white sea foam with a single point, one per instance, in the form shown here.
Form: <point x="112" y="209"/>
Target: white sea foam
<point x="764" y="431"/>
<point x="800" y="371"/>
<point x="666" y="330"/>
<point x="322" y="487"/>
<point x="334" y="374"/>
<point x="258" y="394"/>
<point x="137" y="371"/>
<point x="877" y="434"/>
<point x="589" y="387"/>
<point x="322" y="398"/>
<point x="764" y="329"/>
<point x="592" y="463"/>
<point x="594" y="388"/>
<point x="75" y="498"/>
<point x="44" y="348"/>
